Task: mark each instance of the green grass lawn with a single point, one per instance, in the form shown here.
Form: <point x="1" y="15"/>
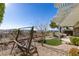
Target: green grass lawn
<point x="54" y="42"/>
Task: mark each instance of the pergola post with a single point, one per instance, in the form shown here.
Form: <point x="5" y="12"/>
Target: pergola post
<point x="59" y="31"/>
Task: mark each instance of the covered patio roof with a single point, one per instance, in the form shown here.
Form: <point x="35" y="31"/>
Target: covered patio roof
<point x="68" y="17"/>
<point x="71" y="18"/>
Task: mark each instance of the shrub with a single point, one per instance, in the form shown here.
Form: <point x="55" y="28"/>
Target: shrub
<point x="73" y="52"/>
<point x="40" y="41"/>
<point x="75" y="40"/>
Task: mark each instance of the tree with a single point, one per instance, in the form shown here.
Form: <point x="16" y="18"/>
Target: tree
<point x="43" y="29"/>
<point x="2" y="10"/>
<point x="53" y="25"/>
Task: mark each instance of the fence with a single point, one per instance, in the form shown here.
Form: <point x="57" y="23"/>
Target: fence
<point x="18" y="39"/>
<point x="21" y="41"/>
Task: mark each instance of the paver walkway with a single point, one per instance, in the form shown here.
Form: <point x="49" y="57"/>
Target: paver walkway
<point x="48" y="50"/>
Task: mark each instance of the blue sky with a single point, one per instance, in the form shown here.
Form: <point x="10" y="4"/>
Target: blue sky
<point x="24" y="15"/>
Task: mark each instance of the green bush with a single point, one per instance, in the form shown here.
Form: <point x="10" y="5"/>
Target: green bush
<point x="75" y="40"/>
<point x="73" y="52"/>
